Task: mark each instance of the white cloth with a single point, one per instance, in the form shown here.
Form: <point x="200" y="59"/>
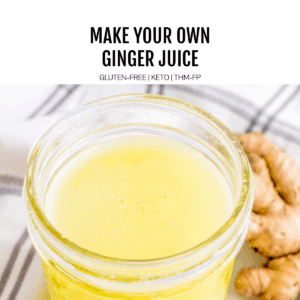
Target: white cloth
<point x="26" y="111"/>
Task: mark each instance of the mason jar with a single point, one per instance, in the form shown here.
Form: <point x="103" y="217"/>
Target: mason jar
<point x="73" y="272"/>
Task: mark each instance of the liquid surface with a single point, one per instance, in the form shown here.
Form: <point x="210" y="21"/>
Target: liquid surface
<point x="138" y="198"/>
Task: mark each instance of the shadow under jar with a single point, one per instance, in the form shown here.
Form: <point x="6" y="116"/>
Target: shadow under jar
<point x="201" y="272"/>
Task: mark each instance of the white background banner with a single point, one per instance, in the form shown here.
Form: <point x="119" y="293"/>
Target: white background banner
<point x="249" y="42"/>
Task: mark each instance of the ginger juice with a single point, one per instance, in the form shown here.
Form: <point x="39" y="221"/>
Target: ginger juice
<point x="123" y="202"/>
<point x="138" y="198"/>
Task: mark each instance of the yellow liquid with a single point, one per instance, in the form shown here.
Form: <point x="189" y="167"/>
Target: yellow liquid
<point x="138" y="198"/>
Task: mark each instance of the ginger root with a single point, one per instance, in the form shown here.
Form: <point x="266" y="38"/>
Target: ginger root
<point x="275" y="222"/>
<point x="279" y="280"/>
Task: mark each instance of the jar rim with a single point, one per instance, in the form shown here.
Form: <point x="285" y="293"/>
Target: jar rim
<point x="243" y="198"/>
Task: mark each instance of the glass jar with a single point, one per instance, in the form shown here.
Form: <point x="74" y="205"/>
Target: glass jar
<point x="202" y="272"/>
